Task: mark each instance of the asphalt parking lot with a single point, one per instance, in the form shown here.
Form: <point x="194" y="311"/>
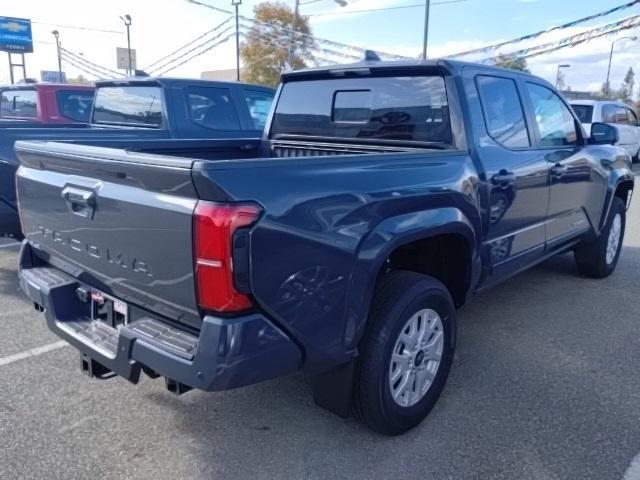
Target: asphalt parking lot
<point x="545" y="385"/>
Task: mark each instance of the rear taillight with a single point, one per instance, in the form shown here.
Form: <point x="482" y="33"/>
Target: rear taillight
<point x="214" y="225"/>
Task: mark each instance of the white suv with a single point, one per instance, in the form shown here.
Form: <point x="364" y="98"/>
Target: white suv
<point x="616" y="113"/>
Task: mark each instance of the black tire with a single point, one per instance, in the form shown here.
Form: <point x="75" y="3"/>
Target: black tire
<point x="399" y="295"/>
<point x="591" y="258"/>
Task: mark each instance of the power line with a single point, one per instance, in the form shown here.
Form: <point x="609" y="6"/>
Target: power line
<point x="225" y="39"/>
<point x="191" y="42"/>
<point x="292" y="33"/>
<point x="83" y="68"/>
<point x="76" y="27"/>
<point x="495" y="46"/>
<point x="415" y="5"/>
<point x="201" y="45"/>
<point x="90" y="64"/>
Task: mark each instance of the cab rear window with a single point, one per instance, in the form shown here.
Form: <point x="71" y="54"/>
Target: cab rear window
<point x="19" y="104"/>
<point x="129" y="105"/>
<point x="584" y="112"/>
<point x="75" y="105"/>
<point x="396" y="109"/>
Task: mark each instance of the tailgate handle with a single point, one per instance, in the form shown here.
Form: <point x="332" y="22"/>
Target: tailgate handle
<point x="80" y="202"/>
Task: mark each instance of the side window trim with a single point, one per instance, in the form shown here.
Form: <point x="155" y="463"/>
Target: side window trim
<point x="525" y="115"/>
<point x="537" y="144"/>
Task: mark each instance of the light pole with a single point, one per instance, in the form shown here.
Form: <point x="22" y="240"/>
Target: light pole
<point x="607" y="85"/>
<point x="127" y="23"/>
<point x="296" y="14"/>
<point x="564" y="65"/>
<point x="236" y="4"/>
<point x="426" y="29"/>
<point x="56" y="34"/>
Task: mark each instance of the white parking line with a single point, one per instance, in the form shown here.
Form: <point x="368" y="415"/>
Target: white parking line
<point x="34" y="352"/>
<point x="10" y="245"/>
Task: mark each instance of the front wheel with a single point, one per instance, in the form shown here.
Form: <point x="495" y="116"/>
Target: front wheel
<point x="406" y="352"/>
<point x="599" y="258"/>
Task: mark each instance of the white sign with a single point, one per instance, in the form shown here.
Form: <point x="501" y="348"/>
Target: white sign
<point x="123" y="58"/>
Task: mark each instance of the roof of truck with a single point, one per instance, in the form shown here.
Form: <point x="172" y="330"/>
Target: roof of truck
<point x="171" y="81"/>
<point x="47" y="86"/>
<point x="444" y="65"/>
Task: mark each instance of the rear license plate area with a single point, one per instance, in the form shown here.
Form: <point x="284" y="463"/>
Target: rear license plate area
<point x="109" y="310"/>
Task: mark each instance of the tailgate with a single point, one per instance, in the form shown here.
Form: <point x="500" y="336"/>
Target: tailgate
<point x="118" y="221"/>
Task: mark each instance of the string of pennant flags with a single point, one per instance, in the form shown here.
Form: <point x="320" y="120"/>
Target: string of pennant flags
<point x="574" y="40"/>
<point x="531" y="36"/>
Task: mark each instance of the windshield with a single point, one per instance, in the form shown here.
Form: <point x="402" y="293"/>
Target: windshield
<point x="584" y="112"/>
<point x="129" y="105"/>
<point x="395" y="109"/>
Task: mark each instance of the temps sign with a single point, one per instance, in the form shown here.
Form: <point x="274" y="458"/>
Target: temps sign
<point x="15" y="35"/>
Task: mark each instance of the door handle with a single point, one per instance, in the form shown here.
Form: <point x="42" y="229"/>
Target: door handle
<point x="558" y="170"/>
<point x="80" y="202"/>
<point x="504" y="178"/>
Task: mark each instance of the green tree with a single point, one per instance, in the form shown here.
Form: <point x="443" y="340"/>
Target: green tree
<point x="270" y="43"/>
<point x="626" y="89"/>
<point x="514" y="63"/>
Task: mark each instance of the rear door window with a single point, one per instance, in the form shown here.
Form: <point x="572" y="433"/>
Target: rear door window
<point x="213" y="108"/>
<point x="129" y="105"/>
<point x="379" y="109"/>
<point x="75" y="105"/>
<point x="19" y="104"/>
<point x="259" y="104"/>
<point x="614" y="114"/>
<point x="503" y="112"/>
<point x="631" y="116"/>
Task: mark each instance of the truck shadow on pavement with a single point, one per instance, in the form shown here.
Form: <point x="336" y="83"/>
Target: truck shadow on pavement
<point x="545" y="384"/>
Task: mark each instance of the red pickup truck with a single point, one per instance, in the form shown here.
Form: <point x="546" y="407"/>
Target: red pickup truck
<point x="46" y="103"/>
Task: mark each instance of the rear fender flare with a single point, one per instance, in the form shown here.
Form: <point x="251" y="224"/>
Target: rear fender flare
<point x="615" y="180"/>
<point x="386" y="237"/>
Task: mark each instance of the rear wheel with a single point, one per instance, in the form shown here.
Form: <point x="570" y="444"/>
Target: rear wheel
<point x="599" y="258"/>
<point x="406" y="352"/>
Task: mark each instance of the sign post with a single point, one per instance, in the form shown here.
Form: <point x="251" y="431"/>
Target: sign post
<point x="16" y="37"/>
<point x="126" y="59"/>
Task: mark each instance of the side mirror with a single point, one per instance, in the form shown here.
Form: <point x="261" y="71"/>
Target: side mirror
<point x="604" y="134"/>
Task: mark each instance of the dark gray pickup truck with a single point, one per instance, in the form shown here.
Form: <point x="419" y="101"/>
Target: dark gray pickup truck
<point x="384" y="196"/>
<point x="144" y="114"/>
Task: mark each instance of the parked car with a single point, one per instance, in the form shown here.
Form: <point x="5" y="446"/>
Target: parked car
<point x="385" y="195"/>
<point x="616" y="113"/>
<point x="45" y="103"/>
<point x="141" y="115"/>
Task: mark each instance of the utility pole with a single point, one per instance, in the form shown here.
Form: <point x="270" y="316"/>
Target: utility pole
<point x="236" y="4"/>
<point x="296" y="16"/>
<point x="564" y="65"/>
<point x="127" y="22"/>
<point x="607" y="85"/>
<point x="57" y="35"/>
<point x="426" y="29"/>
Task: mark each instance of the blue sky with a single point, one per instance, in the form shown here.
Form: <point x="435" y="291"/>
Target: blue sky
<point x="161" y="26"/>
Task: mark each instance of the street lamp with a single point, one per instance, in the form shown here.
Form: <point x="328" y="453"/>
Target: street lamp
<point x="296" y="14"/>
<point x="127" y="23"/>
<point x="426" y="29"/>
<point x="56" y="34"/>
<point x="564" y="65"/>
<point x="606" y="85"/>
<point x="236" y="4"/>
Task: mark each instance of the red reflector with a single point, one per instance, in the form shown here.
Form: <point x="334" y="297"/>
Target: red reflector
<point x="214" y="225"/>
